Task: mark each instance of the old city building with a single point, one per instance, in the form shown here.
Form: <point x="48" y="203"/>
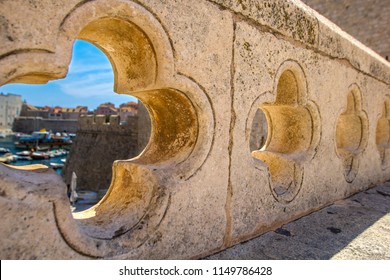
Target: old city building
<point x="10" y="108"/>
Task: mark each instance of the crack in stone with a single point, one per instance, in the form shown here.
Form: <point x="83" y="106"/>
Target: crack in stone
<point x="228" y="232"/>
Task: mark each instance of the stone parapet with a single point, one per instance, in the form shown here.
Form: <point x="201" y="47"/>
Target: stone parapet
<point x="93" y="123"/>
<point x="261" y="112"/>
<point x="31" y="124"/>
<point x="366" y="20"/>
<point x="99" y="143"/>
<point x="292" y="19"/>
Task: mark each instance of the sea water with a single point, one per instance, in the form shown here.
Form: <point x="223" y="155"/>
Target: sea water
<point x="86" y="198"/>
<point x="9" y="143"/>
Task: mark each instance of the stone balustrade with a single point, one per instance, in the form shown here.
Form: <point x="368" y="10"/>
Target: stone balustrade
<point x="204" y="70"/>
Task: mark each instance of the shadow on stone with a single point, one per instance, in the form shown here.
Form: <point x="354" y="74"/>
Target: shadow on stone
<point x="354" y="228"/>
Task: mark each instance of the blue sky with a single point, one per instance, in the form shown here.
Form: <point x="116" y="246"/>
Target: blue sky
<point x="89" y="82"/>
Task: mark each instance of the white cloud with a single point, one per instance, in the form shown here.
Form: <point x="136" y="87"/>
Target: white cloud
<point x="90" y="74"/>
<point x="88" y="84"/>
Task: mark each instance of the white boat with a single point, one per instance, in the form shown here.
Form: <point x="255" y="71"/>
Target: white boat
<point x="56" y="165"/>
<point x="39" y="155"/>
<point x="7" y="158"/>
<point x="24" y="153"/>
<point x="4" y="150"/>
<point x="57" y="153"/>
<point x="23" y="157"/>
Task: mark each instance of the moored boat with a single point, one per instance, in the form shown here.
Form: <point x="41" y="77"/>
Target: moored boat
<point x="23" y="153"/>
<point x="23" y="157"/>
<point x="7" y="158"/>
<point x="57" y="153"/>
<point x="4" y="150"/>
<point x="42" y="140"/>
<point x="56" y="165"/>
<point x="39" y="155"/>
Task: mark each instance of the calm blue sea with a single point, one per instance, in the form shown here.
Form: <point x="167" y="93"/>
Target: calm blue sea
<point x="8" y="143"/>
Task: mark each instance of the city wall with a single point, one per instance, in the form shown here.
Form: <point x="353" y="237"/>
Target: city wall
<point x="97" y="145"/>
<point x="31" y="124"/>
<point x="203" y="71"/>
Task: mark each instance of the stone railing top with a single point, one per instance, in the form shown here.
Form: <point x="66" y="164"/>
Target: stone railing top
<point x="295" y="20"/>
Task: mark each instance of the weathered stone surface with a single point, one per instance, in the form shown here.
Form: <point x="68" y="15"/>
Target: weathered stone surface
<point x="294" y="20"/>
<point x="366" y="20"/>
<point x="30" y="199"/>
<point x="355" y="228"/>
<point x="203" y="71"/>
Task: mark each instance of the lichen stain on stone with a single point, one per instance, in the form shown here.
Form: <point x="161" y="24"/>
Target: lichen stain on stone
<point x="281" y="16"/>
<point x="241" y="3"/>
<point x="129" y="50"/>
<point x="174" y="125"/>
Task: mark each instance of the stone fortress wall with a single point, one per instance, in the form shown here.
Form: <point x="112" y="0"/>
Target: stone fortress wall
<point x="203" y="71"/>
<point x="31" y="124"/>
<point x="366" y="20"/>
<point x="97" y="145"/>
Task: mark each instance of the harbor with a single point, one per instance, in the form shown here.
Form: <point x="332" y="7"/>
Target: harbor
<point x="54" y="158"/>
<point x="11" y="154"/>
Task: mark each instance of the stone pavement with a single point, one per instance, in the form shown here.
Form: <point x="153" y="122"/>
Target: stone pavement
<point x="355" y="228"/>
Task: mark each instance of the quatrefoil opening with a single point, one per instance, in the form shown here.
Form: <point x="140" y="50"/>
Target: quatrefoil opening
<point x="352" y="133"/>
<point x="293" y="132"/>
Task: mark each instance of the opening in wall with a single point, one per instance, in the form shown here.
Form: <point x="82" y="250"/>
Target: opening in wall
<point x="259" y="131"/>
<point x="143" y="70"/>
<point x="382" y="134"/>
<point x="352" y="133"/>
<point x="82" y="125"/>
<point x="292" y="133"/>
